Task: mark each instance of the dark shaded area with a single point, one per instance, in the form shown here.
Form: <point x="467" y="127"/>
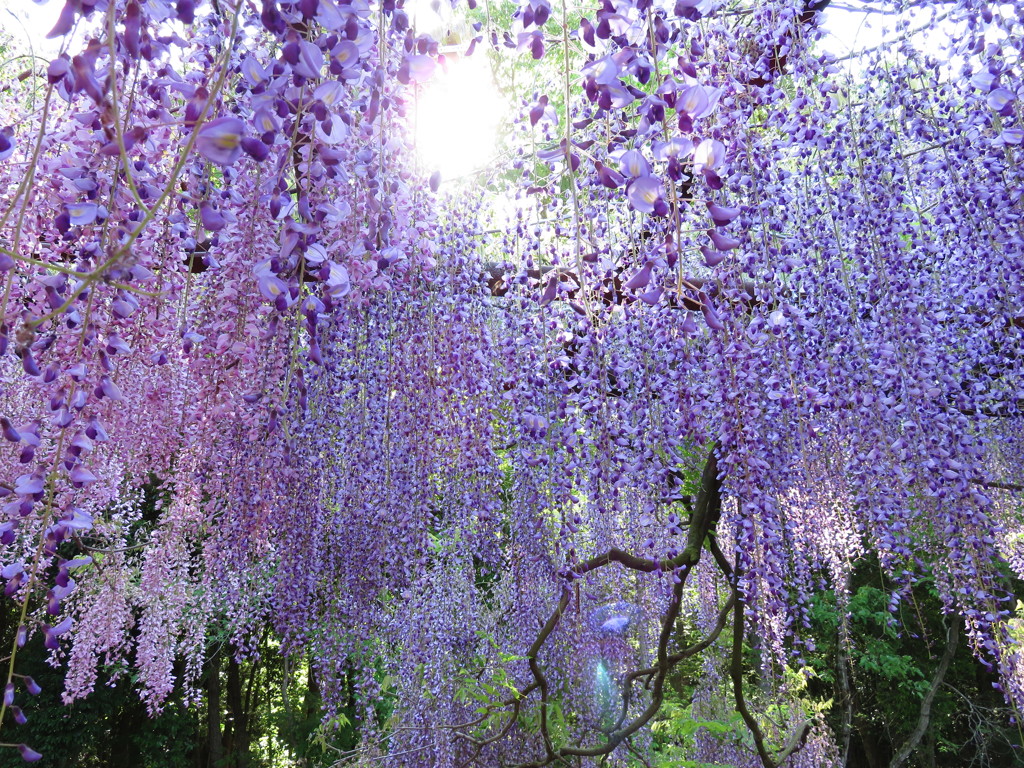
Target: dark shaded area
<point x="245" y="700"/>
<point x="901" y="682"/>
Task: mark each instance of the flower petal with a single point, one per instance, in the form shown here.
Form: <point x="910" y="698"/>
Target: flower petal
<point x="721" y="214"/>
<point x="81" y="214"/>
<point x="220" y="140"/>
<point x="723" y="242"/>
<point x="644" y="192"/>
<point x="28" y="754"/>
<point x="421" y="67"/>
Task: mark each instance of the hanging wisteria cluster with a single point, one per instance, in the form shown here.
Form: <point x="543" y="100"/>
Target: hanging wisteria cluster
<point x="764" y="316"/>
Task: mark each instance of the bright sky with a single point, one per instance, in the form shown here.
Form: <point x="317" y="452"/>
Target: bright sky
<point x="457" y="112"/>
<point x="457" y="118"/>
<point x="28" y="23"/>
<point x="849" y="30"/>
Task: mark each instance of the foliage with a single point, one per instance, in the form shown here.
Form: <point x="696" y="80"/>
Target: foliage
<point x="892" y="658"/>
<point x="109" y="729"/>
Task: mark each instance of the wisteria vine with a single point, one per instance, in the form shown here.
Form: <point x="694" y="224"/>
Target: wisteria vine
<point x="758" y="314"/>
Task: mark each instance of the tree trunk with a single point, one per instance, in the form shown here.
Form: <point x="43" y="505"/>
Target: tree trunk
<point x="125" y="723"/>
<point x="239" y="748"/>
<point x="311" y="699"/>
<point x="214" y="737"/>
<point x="925" y="718"/>
<point x="843" y="679"/>
<point x="868" y="742"/>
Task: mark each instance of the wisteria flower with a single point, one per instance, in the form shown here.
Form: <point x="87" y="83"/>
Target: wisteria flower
<point x="107" y="388"/>
<point x="673" y="148"/>
<point x="603" y="71"/>
<point x="984" y="80"/>
<point x="220" y="140"/>
<point x="693" y="100"/>
<point x="645" y="193"/>
<point x="692" y="9"/>
<point x="265" y="121"/>
<point x="633" y="163"/>
<point x="586" y="33"/>
<point x="722" y="214"/>
<point x="255" y="148"/>
<point x="723" y="242"/>
<point x="211" y="218"/>
<point x="1001" y="100"/>
<point x="418" y="68"/>
<point x="28" y="754"/>
<point x="81" y="476"/>
<point x="185" y="10"/>
<point x="707" y="158"/>
<point x="711" y="258"/>
<point x="6" y="143"/>
<point x="255" y="73"/>
<point x="52" y="634"/>
<point x="310" y="60"/>
<point x="330" y="92"/>
<point x="9" y="432"/>
<point x="345" y="60"/>
<point x="331" y="131"/>
<point x="711" y="316"/>
<point x="609" y="177"/>
<point x="81" y="214"/>
<point x="640" y="279"/>
<point x="77" y="519"/>
<point x="652" y="297"/>
<point x="615" y="96"/>
<point x="29" y="485"/>
<point x="9" y="571"/>
<point x="272" y="286"/>
<point x="535" y="12"/>
<point x="534" y="41"/>
<point x="543" y="110"/>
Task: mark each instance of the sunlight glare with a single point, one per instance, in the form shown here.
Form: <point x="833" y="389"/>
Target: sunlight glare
<point x="457" y="117"/>
<point x="28" y="24"/>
